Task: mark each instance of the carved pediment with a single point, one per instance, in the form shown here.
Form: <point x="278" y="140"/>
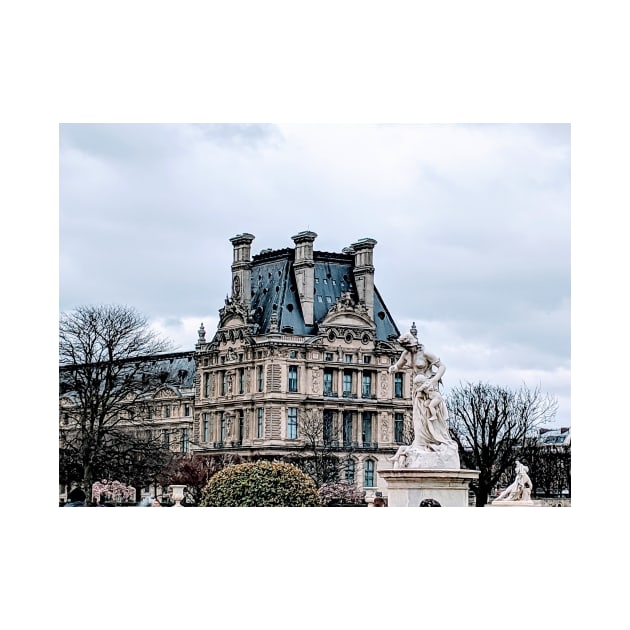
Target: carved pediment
<point x="233" y="314"/>
<point x="346" y="313"/>
<point x="165" y="392"/>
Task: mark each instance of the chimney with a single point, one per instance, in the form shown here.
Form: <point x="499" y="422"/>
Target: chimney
<point x="303" y="267"/>
<point x="364" y="272"/>
<point x="242" y="268"/>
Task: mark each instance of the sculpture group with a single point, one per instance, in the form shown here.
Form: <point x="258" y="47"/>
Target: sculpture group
<point x="432" y="445"/>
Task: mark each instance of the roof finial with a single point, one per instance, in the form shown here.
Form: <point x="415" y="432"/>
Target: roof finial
<point x="413" y="330"/>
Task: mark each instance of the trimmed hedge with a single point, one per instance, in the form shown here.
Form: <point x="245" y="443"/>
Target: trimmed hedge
<point x="260" y="484"/>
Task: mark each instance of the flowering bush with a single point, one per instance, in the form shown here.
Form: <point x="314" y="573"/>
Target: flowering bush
<point x="340" y="492"/>
<point x="114" y="491"/>
<point x="260" y="484"/>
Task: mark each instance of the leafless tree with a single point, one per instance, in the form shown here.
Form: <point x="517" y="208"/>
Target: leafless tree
<point x="491" y="424"/>
<point x="319" y="455"/>
<point x="105" y="376"/>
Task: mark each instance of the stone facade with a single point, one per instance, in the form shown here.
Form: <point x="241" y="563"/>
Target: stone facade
<point x="303" y="335"/>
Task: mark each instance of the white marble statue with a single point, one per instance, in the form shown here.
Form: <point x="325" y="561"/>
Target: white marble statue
<point x="520" y="489"/>
<point x="432" y="446"/>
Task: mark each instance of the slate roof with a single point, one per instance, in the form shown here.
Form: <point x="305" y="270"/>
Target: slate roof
<point x="176" y="369"/>
<point x="274" y="290"/>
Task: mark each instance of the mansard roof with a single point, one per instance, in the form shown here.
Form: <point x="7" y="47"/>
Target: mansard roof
<point x="175" y="369"/>
<point x="274" y="290"/>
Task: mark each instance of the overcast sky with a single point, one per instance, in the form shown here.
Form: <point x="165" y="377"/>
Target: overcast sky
<point x="472" y="224"/>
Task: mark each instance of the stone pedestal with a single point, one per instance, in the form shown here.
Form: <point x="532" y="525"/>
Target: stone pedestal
<point x="406" y="487"/>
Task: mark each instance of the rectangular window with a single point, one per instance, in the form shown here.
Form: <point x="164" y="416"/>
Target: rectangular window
<point x="349" y="470"/>
<point x="398" y="385"/>
<point x="186" y="410"/>
<point x="167" y="411"/>
<point x="328" y="356"/>
<point x="206" y="384"/>
<point x="367" y="359"/>
<point x="241" y="381"/>
<point x="328" y="427"/>
<point x="398" y="428"/>
<point x="328" y="382"/>
<point x="166" y="438"/>
<point x="260" y="423"/>
<point x="347" y="428"/>
<point x="185" y="444"/>
<point x="223" y="428"/>
<point x="206" y="427"/>
<point x="292" y="423"/>
<point x="366" y="427"/>
<point x="368" y="476"/>
<point x="347" y="358"/>
<point x="241" y="424"/>
<point x="347" y="384"/>
<point x="260" y="378"/>
<point x="293" y="378"/>
<point x="366" y="392"/>
<point x="224" y="381"/>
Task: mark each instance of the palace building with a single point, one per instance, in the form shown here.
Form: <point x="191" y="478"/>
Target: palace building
<point x="304" y="341"/>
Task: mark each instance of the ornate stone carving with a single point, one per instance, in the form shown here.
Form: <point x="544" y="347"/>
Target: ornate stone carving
<point x="234" y="313"/>
<point x="384" y="384"/>
<point x="385" y="430"/>
<point x="315" y="384"/>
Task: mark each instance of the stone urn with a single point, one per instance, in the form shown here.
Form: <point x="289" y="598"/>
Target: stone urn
<point x="178" y="494"/>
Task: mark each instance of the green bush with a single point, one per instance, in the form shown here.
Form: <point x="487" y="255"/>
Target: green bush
<point x="260" y="484"/>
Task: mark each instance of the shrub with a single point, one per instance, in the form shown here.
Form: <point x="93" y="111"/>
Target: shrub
<point x="340" y="492"/>
<point x="260" y="484"/>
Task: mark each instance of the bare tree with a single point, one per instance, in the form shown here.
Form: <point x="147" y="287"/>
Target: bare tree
<point x="318" y="457"/>
<point x="491" y="424"/>
<point x="105" y="376"/>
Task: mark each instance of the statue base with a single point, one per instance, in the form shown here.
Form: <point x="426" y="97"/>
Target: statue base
<point x="406" y="487"/>
<point x="440" y="457"/>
